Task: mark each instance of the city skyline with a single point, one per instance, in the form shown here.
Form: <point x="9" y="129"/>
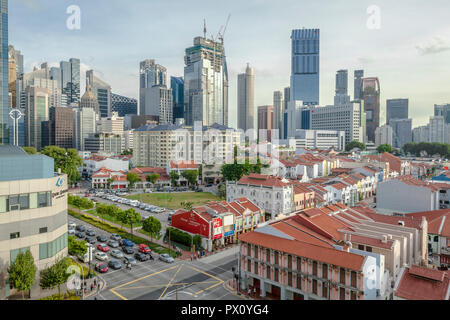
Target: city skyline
<point x="109" y="42"/>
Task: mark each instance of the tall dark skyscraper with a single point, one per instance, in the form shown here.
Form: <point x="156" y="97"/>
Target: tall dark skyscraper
<point x="396" y="109"/>
<point x="4" y="98"/>
<point x="359" y="74"/>
<point x="370" y="94"/>
<point x="177" y="85"/>
<point x="70" y="81"/>
<point x="305" y="66"/>
<point x="341" y="96"/>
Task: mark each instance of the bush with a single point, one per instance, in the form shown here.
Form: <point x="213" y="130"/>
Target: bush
<point x="70" y="295"/>
<point x="179" y="236"/>
<point x="80" y="202"/>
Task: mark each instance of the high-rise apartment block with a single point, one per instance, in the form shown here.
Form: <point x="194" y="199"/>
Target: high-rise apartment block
<point x="384" y="135"/>
<point x="305" y="66"/>
<point x="206" y="83"/>
<point x="246" y="100"/>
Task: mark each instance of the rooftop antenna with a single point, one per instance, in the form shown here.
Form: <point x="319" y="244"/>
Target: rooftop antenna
<point x="204" y="28"/>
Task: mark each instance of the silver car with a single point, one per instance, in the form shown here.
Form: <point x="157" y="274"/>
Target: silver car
<point x="166" y="258"/>
<point x="117" y="253"/>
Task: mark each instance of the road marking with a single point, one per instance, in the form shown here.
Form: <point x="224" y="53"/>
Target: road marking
<point x="179" y="268"/>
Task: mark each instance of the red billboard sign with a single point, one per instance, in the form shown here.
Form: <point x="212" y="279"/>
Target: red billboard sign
<point x="217" y="228"/>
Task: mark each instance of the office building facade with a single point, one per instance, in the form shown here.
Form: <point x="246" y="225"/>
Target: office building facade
<point x="396" y="109"/>
<point x="102" y="92"/>
<point x="305" y="66"/>
<point x="318" y="139"/>
<point x="205" y="83"/>
<point x="341" y="93"/>
<point x="402" y="131"/>
<point x="33" y="212"/>
<point x="384" y="135"/>
<point x="357" y="84"/>
<point x="85" y="125"/>
<point x="177" y="86"/>
<point x="37" y="110"/>
<point x="150" y="74"/>
<point x="265" y="123"/>
<point x="70" y="81"/>
<point x="246" y="99"/>
<point x="4" y="98"/>
<point x="123" y="105"/>
<point x="278" y="112"/>
<point x="442" y="110"/>
<point x="59" y="129"/>
<point x="370" y="94"/>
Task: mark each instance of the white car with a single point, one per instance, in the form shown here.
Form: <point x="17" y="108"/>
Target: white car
<point x="72" y="225"/>
<point x="71" y="232"/>
<point x="101" y="256"/>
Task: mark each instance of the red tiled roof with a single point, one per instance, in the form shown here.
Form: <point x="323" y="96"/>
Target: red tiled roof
<point x="338" y="185"/>
<point x="371" y="241"/>
<point x="410" y="180"/>
<point x="263" y="180"/>
<point x="419" y="283"/>
<point x="302" y="249"/>
<point x="183" y="164"/>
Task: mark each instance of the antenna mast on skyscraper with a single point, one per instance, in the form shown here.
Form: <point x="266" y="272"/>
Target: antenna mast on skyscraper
<point x="204" y="28"/>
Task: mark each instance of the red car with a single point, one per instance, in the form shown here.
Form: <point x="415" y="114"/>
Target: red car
<point x="103" y="247"/>
<point x="101" y="267"/>
<point x="144" y="248"/>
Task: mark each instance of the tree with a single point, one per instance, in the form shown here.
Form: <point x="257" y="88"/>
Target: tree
<point x="152" y="178"/>
<point x="109" y="181"/>
<point x="56" y="275"/>
<point x="101" y="209"/>
<point x="152" y="226"/>
<point x="174" y="176"/>
<point x="30" y="150"/>
<point x="76" y="247"/>
<point x="382" y="148"/>
<point x="191" y="176"/>
<point x="355" y="144"/>
<point x="127" y="152"/>
<point x="187" y="205"/>
<point x="132" y="178"/>
<point x="22" y="273"/>
<point x="130" y="217"/>
<point x="67" y="160"/>
<point x="222" y="191"/>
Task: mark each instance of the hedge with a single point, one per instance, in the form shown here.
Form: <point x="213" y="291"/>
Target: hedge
<point x="66" y="296"/>
<point x="112" y="229"/>
<point x="179" y="236"/>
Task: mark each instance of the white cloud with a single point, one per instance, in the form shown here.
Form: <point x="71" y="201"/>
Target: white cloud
<point x="436" y="45"/>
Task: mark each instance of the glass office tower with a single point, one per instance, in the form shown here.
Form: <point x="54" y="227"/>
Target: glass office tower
<point x="4" y="98"/>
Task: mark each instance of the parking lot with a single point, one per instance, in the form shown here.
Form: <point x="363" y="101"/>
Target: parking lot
<point x="162" y="215"/>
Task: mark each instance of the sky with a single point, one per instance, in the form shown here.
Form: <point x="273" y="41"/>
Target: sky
<point x="408" y="50"/>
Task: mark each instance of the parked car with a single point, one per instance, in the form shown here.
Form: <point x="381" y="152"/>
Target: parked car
<point x="80" y="228"/>
<point x="144" y="248"/>
<point x="101" y="267"/>
<point x="126" y="243"/>
<point x="141" y="256"/>
<point x="127" y="250"/>
<point x="115" y="237"/>
<point x="129" y="260"/>
<point x="116" y="253"/>
<point x="166" y="258"/>
<point x="71" y="225"/>
<point x="114" y="264"/>
<point x="71" y="232"/>
<point x="80" y="235"/>
<point x="103" y="247"/>
<point x="113" y="243"/>
<point x="90" y="232"/>
<point x="90" y="240"/>
<point x="101" y="238"/>
<point x="101" y="256"/>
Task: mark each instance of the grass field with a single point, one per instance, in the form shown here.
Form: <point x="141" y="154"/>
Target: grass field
<point x="173" y="200"/>
<point x="112" y="219"/>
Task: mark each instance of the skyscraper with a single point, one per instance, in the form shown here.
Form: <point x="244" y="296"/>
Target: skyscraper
<point x="150" y="74"/>
<point x="4" y="98"/>
<point x="265" y="123"/>
<point x="102" y="92"/>
<point x="70" y="81"/>
<point x="402" y="131"/>
<point x="37" y="110"/>
<point x="442" y="110"/>
<point x="205" y="83"/>
<point x="59" y="131"/>
<point x="278" y="112"/>
<point x="177" y="86"/>
<point x="123" y="105"/>
<point x="305" y="66"/>
<point x="341" y="94"/>
<point x="90" y="101"/>
<point x="396" y="109"/>
<point x="287" y="98"/>
<point x="370" y="93"/>
<point x="359" y="74"/>
<point x="246" y="100"/>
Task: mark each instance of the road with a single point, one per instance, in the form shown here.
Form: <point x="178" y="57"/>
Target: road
<point x="202" y="279"/>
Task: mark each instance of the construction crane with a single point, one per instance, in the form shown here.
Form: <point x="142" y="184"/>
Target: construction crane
<point x="222" y="35"/>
